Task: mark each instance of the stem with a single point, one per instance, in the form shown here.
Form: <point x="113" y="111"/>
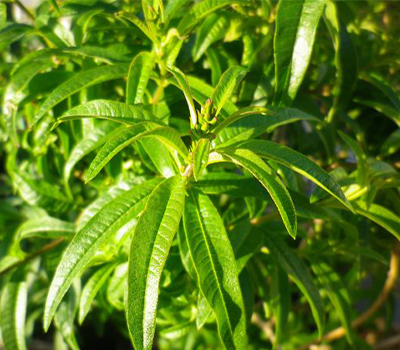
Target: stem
<point x="24" y="9"/>
<point x="42" y="251"/>
<point x="159" y="92"/>
<point x="391" y="279"/>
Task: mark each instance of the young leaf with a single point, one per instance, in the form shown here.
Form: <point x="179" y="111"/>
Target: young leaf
<point x="346" y="59"/>
<point x="150" y="245"/>
<point x="226" y="86"/>
<point x="270" y="180"/>
<point x="99" y="229"/>
<point x="200" y="157"/>
<point x="250" y="122"/>
<point x="138" y="76"/>
<point x="299" y="163"/>
<point x="184" y="86"/>
<point x="212" y="30"/>
<point x="296" y="26"/>
<point x="13" y="309"/>
<point x="198" y="11"/>
<point x="214" y="262"/>
<point x="92" y="287"/>
<point x="106" y="109"/>
<point x="297" y="270"/>
<point x="78" y="82"/>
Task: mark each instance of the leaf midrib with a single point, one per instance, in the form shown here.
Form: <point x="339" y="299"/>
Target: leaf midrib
<point x="212" y="262"/>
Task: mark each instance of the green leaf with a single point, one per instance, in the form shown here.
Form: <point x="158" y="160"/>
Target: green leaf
<point x="299" y="163"/>
<point x="45" y="227"/>
<point x="212" y="30"/>
<point x="298" y="271"/>
<point x="346" y="59"/>
<point x="13" y="308"/>
<point x="168" y="136"/>
<point x="92" y="287"/>
<point x="116" y="286"/>
<point x="198" y="11"/>
<point x="90" y="142"/>
<point x="214" y="262"/>
<point x="140" y="24"/>
<point x="150" y="245"/>
<point x="380" y="215"/>
<point x="228" y="183"/>
<point x="138" y="76"/>
<point x="226" y="86"/>
<point x="3" y="15"/>
<point x="250" y="122"/>
<point x="184" y="86"/>
<point x="391" y="144"/>
<point x="40" y="193"/>
<point x="99" y="229"/>
<point x="53" y="3"/>
<point x="336" y="291"/>
<point x="78" y="82"/>
<point x="106" y="109"/>
<point x="272" y="183"/>
<point x="280" y="299"/>
<point x="200" y="157"/>
<point x="362" y="161"/>
<point x="296" y="27"/>
<point x="65" y="315"/>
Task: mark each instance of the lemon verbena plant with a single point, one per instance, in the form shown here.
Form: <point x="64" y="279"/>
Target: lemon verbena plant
<point x="212" y="174"/>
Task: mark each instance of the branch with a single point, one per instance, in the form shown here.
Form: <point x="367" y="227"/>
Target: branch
<point x="42" y="251"/>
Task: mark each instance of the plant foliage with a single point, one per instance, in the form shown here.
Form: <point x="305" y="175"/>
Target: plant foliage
<point x="212" y="174"/>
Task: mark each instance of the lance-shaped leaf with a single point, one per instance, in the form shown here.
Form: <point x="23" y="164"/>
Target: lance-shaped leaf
<point x="381" y="216"/>
<point x="98" y="230"/>
<point x="232" y="184"/>
<point x="78" y="82"/>
<point x="92" y="287"/>
<point x="184" y="86"/>
<point x="106" y="109"/>
<point x="346" y="59"/>
<point x="214" y="261"/>
<point x="270" y="180"/>
<point x="296" y="26"/>
<point x="134" y="133"/>
<point x="336" y="291"/>
<point x="45" y="227"/>
<point x="299" y="163"/>
<point x="200" y="157"/>
<point x="226" y="86"/>
<point x="139" y="74"/>
<point x="251" y="122"/>
<point x="280" y="301"/>
<point x="212" y="30"/>
<point x="298" y="271"/>
<point x="87" y="144"/>
<point x="13" y="308"/>
<point x="200" y="10"/>
<point x="362" y="161"/>
<point x="41" y="193"/>
<point x="150" y="245"/>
